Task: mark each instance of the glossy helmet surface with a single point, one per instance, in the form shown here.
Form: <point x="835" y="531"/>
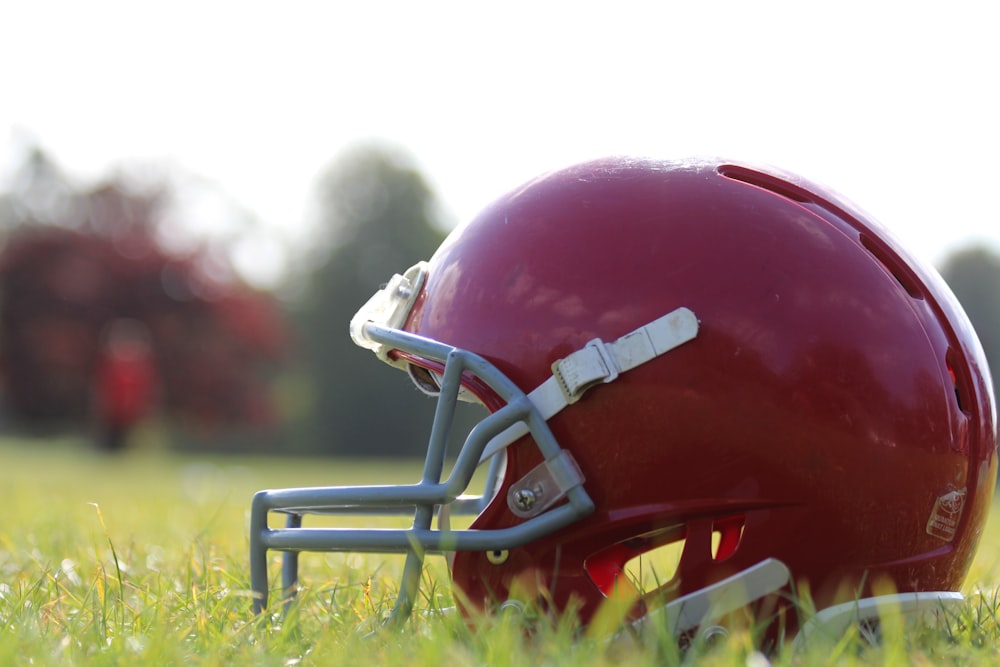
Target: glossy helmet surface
<point x="833" y="410"/>
<point x="815" y="418"/>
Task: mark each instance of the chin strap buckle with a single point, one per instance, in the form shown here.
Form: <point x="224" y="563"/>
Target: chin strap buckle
<point x="598" y="363"/>
<point x="581" y="370"/>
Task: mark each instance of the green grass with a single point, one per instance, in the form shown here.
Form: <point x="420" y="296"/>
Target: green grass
<point x="142" y="559"/>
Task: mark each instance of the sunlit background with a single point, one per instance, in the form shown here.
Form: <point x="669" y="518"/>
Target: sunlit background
<point x="255" y="118"/>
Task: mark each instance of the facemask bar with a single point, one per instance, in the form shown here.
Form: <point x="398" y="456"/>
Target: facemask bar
<point x="422" y="498"/>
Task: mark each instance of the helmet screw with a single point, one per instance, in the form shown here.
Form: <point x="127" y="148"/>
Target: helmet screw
<point x="524" y="499"/>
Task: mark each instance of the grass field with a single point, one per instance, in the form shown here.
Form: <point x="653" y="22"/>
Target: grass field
<point x="142" y="560"/>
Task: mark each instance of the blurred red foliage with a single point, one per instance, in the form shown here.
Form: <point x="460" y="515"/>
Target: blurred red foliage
<point x="214" y="343"/>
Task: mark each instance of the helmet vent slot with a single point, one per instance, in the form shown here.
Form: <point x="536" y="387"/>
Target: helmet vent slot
<point x="652" y="569"/>
<point x="957" y="382"/>
<point x="726" y="536"/>
<point x="894" y="265"/>
<point x="767" y="182"/>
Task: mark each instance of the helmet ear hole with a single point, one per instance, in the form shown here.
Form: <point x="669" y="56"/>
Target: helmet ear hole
<point x="423" y="379"/>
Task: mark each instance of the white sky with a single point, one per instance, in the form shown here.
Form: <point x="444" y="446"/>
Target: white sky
<point x="894" y="104"/>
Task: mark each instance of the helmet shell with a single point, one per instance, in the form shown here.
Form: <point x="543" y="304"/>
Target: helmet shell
<point x="835" y="410"/>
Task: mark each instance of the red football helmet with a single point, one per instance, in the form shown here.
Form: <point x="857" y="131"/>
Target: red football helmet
<point x="718" y="356"/>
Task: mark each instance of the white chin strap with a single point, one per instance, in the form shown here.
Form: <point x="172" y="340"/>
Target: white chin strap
<point x="597" y="363"/>
<point x="927" y="607"/>
<point x="705" y="607"/>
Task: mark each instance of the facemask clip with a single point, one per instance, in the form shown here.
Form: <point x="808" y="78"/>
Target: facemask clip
<point x="545" y="485"/>
<point x="389" y="307"/>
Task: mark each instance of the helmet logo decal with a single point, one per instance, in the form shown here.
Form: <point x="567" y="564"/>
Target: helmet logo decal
<point x="944" y="518"/>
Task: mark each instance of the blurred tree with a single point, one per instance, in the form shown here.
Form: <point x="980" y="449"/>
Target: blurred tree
<point x="973" y="274"/>
<point x="75" y="260"/>
<point x="377" y="217"/>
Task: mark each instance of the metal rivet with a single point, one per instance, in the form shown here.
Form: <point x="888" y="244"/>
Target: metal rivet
<point x="498" y="556"/>
<point x="713" y="633"/>
<point x="513" y="606"/>
<point x="524" y="499"/>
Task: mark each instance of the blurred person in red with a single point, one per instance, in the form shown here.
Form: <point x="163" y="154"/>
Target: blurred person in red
<point x="125" y="382"/>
